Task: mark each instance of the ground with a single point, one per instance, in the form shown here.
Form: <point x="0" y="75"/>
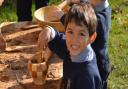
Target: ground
<point x="21" y="42"/>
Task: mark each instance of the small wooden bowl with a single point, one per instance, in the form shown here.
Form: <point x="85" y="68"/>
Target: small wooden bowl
<point x="38" y="72"/>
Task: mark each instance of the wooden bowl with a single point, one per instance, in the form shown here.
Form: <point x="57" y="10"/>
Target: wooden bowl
<point x="44" y="17"/>
<point x="38" y="72"/>
<point x="38" y="66"/>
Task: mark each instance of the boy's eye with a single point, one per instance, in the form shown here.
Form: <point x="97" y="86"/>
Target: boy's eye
<point x="82" y="34"/>
<point x="70" y="32"/>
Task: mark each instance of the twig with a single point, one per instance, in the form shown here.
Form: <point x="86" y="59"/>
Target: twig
<point x="19" y="82"/>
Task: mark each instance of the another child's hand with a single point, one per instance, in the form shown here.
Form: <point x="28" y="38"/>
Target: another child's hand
<point x="1" y="1"/>
<point x="44" y="38"/>
<point x="57" y="13"/>
<point x="74" y="1"/>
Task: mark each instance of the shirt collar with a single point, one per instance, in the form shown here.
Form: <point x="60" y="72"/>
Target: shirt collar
<point x="86" y="55"/>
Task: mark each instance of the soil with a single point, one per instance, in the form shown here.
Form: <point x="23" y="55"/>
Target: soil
<point x="21" y="42"/>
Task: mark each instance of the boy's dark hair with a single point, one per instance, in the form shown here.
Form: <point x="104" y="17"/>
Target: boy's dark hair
<point x="82" y="13"/>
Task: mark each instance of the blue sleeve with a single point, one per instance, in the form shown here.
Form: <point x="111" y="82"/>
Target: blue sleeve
<point x="58" y="45"/>
<point x="100" y="45"/>
<point x="103" y="27"/>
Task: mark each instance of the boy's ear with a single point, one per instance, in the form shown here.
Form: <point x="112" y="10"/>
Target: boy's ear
<point x="93" y="37"/>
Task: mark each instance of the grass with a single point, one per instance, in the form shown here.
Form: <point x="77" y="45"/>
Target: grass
<point x="118" y="40"/>
<point x="7" y="13"/>
<point x="118" y="47"/>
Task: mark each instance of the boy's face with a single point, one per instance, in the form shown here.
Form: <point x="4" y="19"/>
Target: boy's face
<point x="77" y="38"/>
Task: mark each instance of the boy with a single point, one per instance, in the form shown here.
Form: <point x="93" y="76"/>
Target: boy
<point x="80" y="69"/>
<point x="100" y="45"/>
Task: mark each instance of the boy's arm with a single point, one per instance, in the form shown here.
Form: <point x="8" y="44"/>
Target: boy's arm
<point x="53" y="39"/>
<point x="44" y="38"/>
<point x="58" y="44"/>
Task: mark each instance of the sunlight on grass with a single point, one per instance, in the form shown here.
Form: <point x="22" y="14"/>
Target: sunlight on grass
<point x="118" y="47"/>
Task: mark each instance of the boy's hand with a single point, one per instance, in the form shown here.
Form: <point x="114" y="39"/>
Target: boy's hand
<point x="44" y="38"/>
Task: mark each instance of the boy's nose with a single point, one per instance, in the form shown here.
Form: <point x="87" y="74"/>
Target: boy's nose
<point x="75" y="39"/>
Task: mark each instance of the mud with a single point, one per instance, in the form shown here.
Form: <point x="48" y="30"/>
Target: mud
<point x="21" y="42"/>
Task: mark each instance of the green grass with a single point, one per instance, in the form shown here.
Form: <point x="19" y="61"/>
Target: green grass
<point x="118" y="40"/>
<point x="118" y="46"/>
<point x="7" y="13"/>
<point x="55" y="1"/>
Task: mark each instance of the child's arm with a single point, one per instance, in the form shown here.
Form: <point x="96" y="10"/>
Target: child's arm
<point x="76" y="1"/>
<point x="58" y="13"/>
<point x="44" y="37"/>
<point x="1" y="1"/>
<point x="61" y="15"/>
<point x="55" y="41"/>
<point x="58" y="45"/>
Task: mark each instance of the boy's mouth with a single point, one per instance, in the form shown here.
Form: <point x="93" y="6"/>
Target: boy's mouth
<point x="74" y="47"/>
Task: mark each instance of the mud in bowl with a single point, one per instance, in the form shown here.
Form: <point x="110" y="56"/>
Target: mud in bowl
<point x="38" y="71"/>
